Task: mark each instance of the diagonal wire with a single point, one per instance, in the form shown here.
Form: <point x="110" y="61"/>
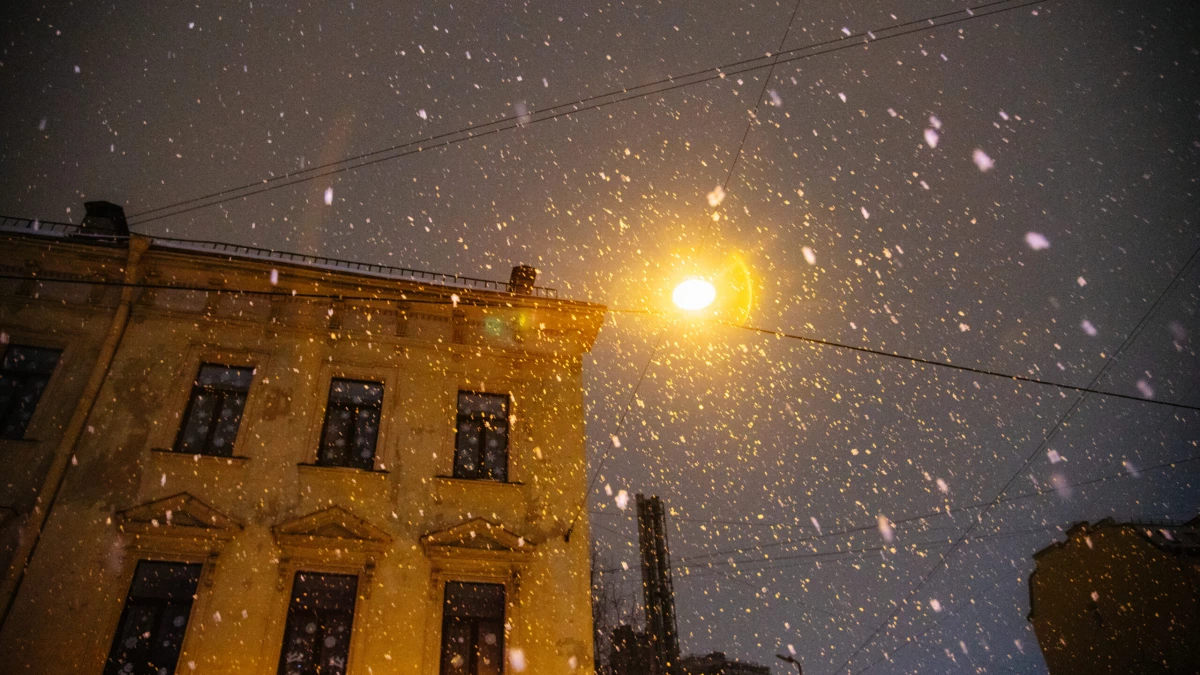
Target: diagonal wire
<point x="572" y="104"/>
<point x="613" y="442"/>
<point x="935" y="624"/>
<point x="746" y="65"/>
<point x="944" y="561"/>
<point x="1127" y="471"/>
<point x="758" y="103"/>
<point x="658" y="342"/>
<point x="41" y="278"/>
<point x="1090" y="389"/>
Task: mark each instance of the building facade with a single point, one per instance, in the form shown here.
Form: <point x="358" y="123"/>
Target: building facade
<point x="1119" y="598"/>
<point x="229" y="460"/>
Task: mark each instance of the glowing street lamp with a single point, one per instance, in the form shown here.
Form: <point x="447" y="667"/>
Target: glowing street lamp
<point x="694" y="294"/>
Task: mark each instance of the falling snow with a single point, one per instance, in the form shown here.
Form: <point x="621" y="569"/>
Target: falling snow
<point x="1037" y="241"/>
<point x="982" y="160"/>
<point x="779" y="429"/>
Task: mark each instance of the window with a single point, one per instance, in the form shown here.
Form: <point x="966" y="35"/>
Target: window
<point x="481" y="446"/>
<point x="24" y="373"/>
<point x="351" y="424"/>
<point x="210" y="423"/>
<point x="473" y="629"/>
<point x="154" y="620"/>
<point x="316" y="640"/>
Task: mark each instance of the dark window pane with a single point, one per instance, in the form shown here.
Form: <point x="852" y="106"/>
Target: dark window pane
<point x="365" y="432"/>
<point x="226" y="424"/>
<point x="456" y="647"/>
<point x="481" y="443"/>
<point x="353" y="392"/>
<point x="351" y="424"/>
<point x="154" y="620"/>
<point x="491" y="404"/>
<point x="473" y="629"/>
<point x="30" y="359"/>
<point x="495" y="452"/>
<point x="224" y="377"/>
<point x="24" y="374"/>
<point x="214" y="411"/>
<point x="199" y="421"/>
<point x="320" y="617"/>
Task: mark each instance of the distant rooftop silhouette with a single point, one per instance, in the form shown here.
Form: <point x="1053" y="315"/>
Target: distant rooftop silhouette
<point x="1119" y="598"/>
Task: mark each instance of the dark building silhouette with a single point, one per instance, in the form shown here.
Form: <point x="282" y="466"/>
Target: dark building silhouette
<point x="631" y="653"/>
<point x="1119" y="598"/>
<point x="716" y="664"/>
<point x="659" y="595"/>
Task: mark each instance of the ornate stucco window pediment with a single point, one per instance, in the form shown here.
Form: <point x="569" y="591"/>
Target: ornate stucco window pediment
<point x="477" y="541"/>
<point x="180" y="527"/>
<point x="474" y="551"/>
<point x="180" y="524"/>
<point x="333" y="540"/>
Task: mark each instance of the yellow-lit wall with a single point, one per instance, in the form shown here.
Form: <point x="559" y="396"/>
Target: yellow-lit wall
<point x="422" y="346"/>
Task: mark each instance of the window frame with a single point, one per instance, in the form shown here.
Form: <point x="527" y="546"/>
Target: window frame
<point x="33" y="341"/>
<point x="480" y="450"/>
<point x="182" y="379"/>
<point x="125" y="605"/>
<point x="145" y="541"/>
<point x="387" y="375"/>
<point x="300" y="550"/>
<point x="475" y="623"/>
<point x="191" y="401"/>
<point x="355" y="601"/>
<point x="464" y="566"/>
<point x="325" y="425"/>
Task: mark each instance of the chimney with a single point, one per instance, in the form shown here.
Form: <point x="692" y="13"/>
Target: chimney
<point x="521" y="281"/>
<point x="104" y="218"/>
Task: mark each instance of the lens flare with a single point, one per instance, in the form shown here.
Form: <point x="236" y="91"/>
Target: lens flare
<point x="694" y="294"/>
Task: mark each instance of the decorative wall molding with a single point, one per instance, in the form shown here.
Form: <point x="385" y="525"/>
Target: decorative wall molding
<point x="180" y="527"/>
<point x="330" y="540"/>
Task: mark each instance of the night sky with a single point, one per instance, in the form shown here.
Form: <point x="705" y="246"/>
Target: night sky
<point x="849" y="225"/>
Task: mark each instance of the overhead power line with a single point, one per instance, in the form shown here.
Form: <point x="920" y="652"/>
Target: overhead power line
<point x="613" y="442"/>
<point x="904" y="520"/>
<point x="662" y="333"/>
<point x="946" y="616"/>
<point x="944" y="561"/>
<point x="758" y="102"/>
<point x="594" y="102"/>
<point x="478" y="302"/>
<point x="738" y="566"/>
<point x="967" y="369"/>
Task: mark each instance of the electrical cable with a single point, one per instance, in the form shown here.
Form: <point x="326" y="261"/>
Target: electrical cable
<point x="758" y="102"/>
<point x="550" y="305"/>
<point x="614" y="441"/>
<point x="912" y="640"/>
<point x="944" y="561"/>
<point x="1039" y="493"/>
<point x="1129" y="471"/>
<point x="371" y="158"/>
<point x="744" y="565"/>
<point x="967" y="369"/>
